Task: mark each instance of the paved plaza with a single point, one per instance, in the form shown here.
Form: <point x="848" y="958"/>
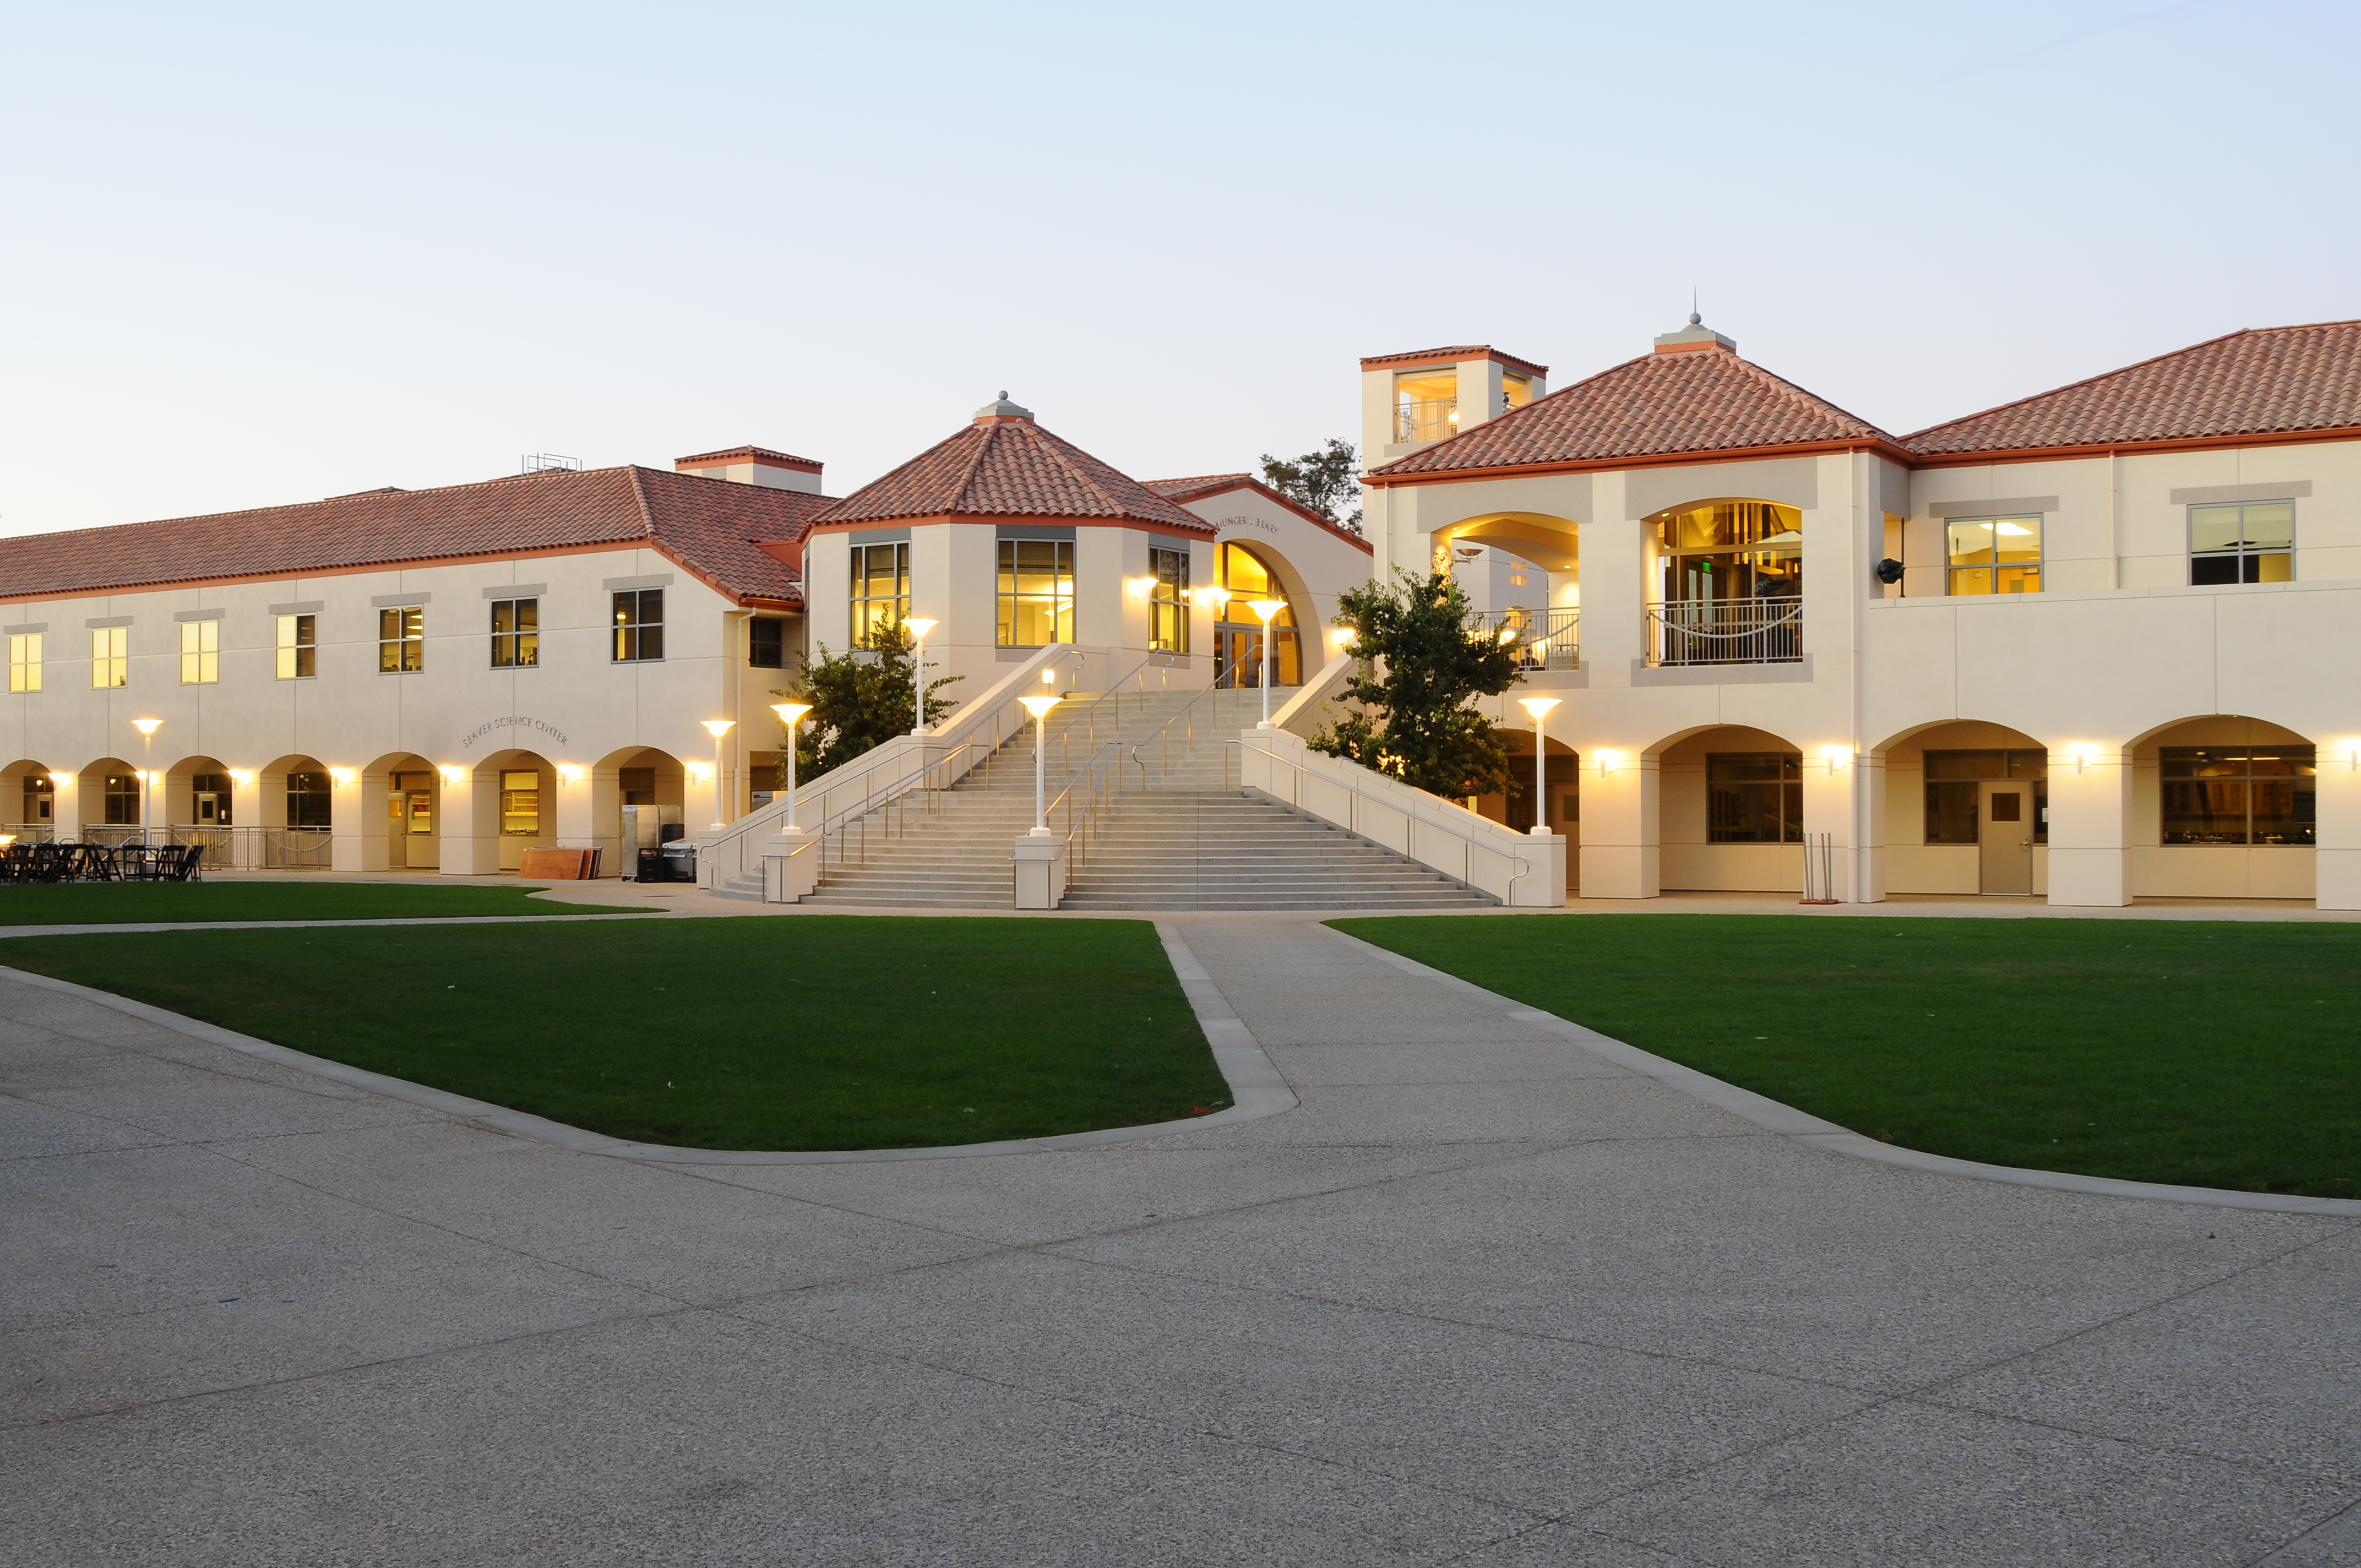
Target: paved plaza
<point x="1483" y="1296"/>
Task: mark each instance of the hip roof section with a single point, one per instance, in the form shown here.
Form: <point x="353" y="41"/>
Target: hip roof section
<point x="2270" y="381"/>
<point x="713" y="527"/>
<point x="1009" y="466"/>
<point x="1661" y="407"/>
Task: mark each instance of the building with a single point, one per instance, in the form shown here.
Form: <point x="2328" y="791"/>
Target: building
<point x="2094" y="645"/>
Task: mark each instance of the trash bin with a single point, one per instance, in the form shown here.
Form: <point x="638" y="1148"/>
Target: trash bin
<point x="679" y="862"/>
<point x="648" y="865"/>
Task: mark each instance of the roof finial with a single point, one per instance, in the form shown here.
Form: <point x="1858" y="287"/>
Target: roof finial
<point x="1001" y="408"/>
<point x="1694" y="320"/>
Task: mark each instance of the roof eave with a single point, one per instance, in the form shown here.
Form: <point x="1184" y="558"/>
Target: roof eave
<point x="1380" y="479"/>
<point x="2122" y="448"/>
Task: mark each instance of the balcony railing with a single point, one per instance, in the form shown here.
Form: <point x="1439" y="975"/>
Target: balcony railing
<point x="1426" y="422"/>
<point x="1544" y="638"/>
<point x="1725" y="631"/>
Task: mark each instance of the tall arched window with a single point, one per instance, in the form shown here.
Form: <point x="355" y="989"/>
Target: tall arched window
<point x="1237" y="638"/>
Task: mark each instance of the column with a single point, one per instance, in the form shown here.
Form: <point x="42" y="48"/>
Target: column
<point x="65" y="806"/>
<point x="378" y="823"/>
<point x="353" y="828"/>
<point x="469" y="847"/>
<point x="578" y="797"/>
<point x="244" y="818"/>
<point x="1843" y="797"/>
<point x="2338" y="859"/>
<point x="1621" y="851"/>
<point x="2089" y="827"/>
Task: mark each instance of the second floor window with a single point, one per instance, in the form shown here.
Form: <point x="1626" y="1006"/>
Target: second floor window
<point x="639" y="625"/>
<point x="23" y="661"/>
<point x="299" y="647"/>
<point x="110" y="656"/>
<point x="1037" y="592"/>
<point x="1754" y="798"/>
<point x="401" y="639"/>
<point x="766" y="643"/>
<point x="881" y="589"/>
<point x="516" y="634"/>
<point x="1993" y="555"/>
<point x="200" y="653"/>
<point x="2250" y="544"/>
<point x="1167" y="600"/>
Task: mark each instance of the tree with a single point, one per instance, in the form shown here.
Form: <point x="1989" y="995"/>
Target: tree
<point x="1419" y="665"/>
<point x="859" y="700"/>
<point x="1327" y="480"/>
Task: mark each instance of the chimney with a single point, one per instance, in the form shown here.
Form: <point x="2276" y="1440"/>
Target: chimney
<point x="753" y="465"/>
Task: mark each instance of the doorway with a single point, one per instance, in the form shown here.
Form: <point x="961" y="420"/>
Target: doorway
<point x="2005" y="822"/>
<point x="409" y="823"/>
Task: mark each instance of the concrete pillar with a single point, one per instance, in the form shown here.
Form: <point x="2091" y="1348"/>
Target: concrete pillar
<point x="1041" y="872"/>
<point x="791" y="866"/>
<point x="353" y="825"/>
<point x="244" y="818"/>
<point x="2089" y="827"/>
<point x="1544" y="887"/>
<point x="1622" y="851"/>
<point x="377" y="824"/>
<point x="1615" y="587"/>
<point x="65" y="806"/>
<point x="573" y="819"/>
<point x="470" y="846"/>
<point x="2337" y="862"/>
<point x="1844" y="798"/>
<point x="1868" y="813"/>
<point x="606" y="792"/>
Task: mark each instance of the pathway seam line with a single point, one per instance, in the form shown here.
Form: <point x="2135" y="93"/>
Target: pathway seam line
<point x="1256" y="1089"/>
<point x="1812" y="1130"/>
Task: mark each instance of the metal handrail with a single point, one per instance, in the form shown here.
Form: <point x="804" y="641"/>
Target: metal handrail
<point x="898" y="791"/>
<point x="1468" y="842"/>
<point x="1551" y="631"/>
<point x="1095" y="802"/>
<point x="1163" y="736"/>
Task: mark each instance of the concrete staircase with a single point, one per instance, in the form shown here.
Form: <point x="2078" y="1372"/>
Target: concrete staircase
<point x="1180" y="835"/>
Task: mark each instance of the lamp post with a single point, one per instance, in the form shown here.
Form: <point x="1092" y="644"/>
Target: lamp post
<point x="1039" y="707"/>
<point x="1538" y="707"/>
<point x="147" y="728"/>
<point x="720" y="727"/>
<point x="790" y="715"/>
<point x="919" y="626"/>
<point x="1266" y="608"/>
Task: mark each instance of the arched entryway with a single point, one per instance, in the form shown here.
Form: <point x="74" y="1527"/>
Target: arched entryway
<point x="107" y="802"/>
<point x="1730" y="810"/>
<point x="514" y="805"/>
<point x="1246" y="573"/>
<point x="298" y="806"/>
<point x="2223" y="805"/>
<point x="638" y="802"/>
<point x="1726" y="583"/>
<point x="1536" y="610"/>
<point x="28" y="800"/>
<point x="412" y="790"/>
<point x="1967" y="810"/>
<point x="1560" y="794"/>
<point x="195" y="805"/>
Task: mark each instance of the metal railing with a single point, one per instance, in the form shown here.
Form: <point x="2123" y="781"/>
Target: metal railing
<point x="1083" y="814"/>
<point x="1432" y="421"/>
<point x="1544" y="638"/>
<point x="28" y="832"/>
<point x="1725" y="631"/>
<point x="1187" y="720"/>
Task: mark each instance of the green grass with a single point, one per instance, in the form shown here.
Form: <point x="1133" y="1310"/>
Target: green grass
<point x="2211" y="1054"/>
<point x="138" y="903"/>
<point x="815" y="1033"/>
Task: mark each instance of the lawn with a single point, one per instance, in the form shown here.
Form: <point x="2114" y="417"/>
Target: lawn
<point x="814" y="1033"/>
<point x="138" y="903"/>
<point x="2206" y="1053"/>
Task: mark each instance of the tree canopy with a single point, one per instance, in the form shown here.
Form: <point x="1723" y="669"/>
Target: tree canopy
<point x="1327" y="480"/>
<point x="1419" y="665"/>
<point x="859" y="700"/>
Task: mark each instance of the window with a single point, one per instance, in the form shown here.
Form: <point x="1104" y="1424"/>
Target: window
<point x="1426" y="404"/>
<point x="1167" y="600"/>
<point x="25" y="661"/>
<point x="1993" y="555"/>
<point x="2238" y="795"/>
<point x="122" y="799"/>
<point x="40" y="799"/>
<point x="209" y="799"/>
<point x="1754" y="798"/>
<point x="2250" y="544"/>
<point x="110" y="656"/>
<point x="1954" y="787"/>
<point x="881" y="589"/>
<point x="766" y="643"/>
<point x="200" y="653"/>
<point x="1037" y="592"/>
<point x="310" y="795"/>
<point x="298" y="642"/>
<point x="402" y="640"/>
<point x="639" y="625"/>
<point x="516" y="634"/>
<point x="521" y="802"/>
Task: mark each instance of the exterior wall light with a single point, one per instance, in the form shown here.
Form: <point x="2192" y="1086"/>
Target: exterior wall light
<point x="62" y="780"/>
<point x="1836" y="757"/>
<point x="452" y="775"/>
<point x="1608" y="760"/>
<point x="1140" y="586"/>
<point x="919" y="626"/>
<point x="240" y="777"/>
<point x="572" y="773"/>
<point x="2084" y="752"/>
<point x="790" y="715"/>
<point x="343" y="776"/>
<point x="1538" y="707"/>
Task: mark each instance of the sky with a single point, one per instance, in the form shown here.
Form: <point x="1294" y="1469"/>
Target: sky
<point x="252" y="255"/>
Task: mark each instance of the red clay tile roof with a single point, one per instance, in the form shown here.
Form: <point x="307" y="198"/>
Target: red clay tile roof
<point x="748" y="454"/>
<point x="2264" y="382"/>
<point x="1455" y="353"/>
<point x="713" y="527"/>
<point x="1008" y="468"/>
<point x="1203" y="485"/>
<point x="1707" y="403"/>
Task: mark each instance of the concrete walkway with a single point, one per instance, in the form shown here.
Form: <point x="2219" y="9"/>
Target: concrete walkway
<point x="1484" y="1297"/>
